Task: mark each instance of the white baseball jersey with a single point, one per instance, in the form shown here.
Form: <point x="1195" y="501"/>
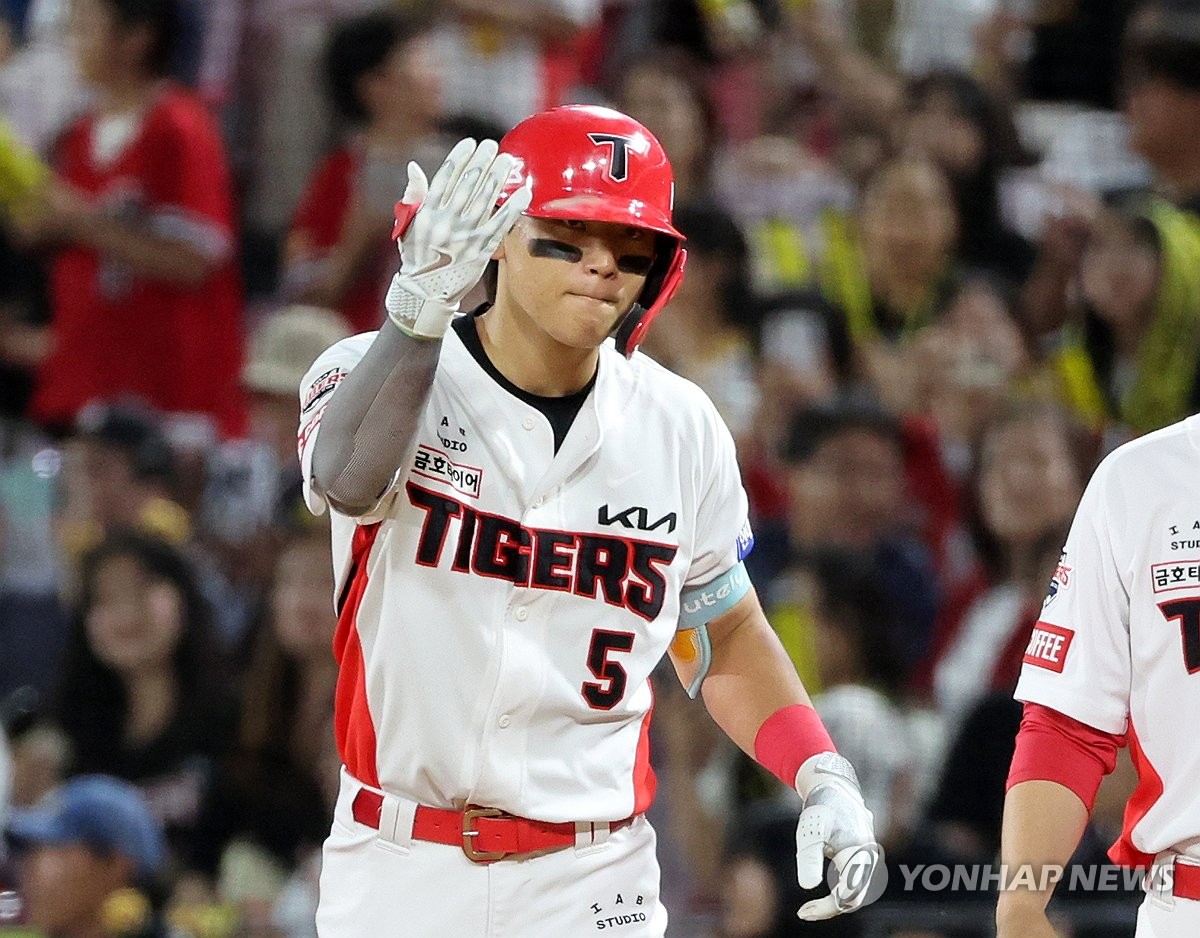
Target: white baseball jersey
<point x="1118" y="643"/>
<point x="501" y="610"/>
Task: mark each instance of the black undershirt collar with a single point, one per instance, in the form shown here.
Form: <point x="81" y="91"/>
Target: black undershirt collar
<point x="559" y="411"/>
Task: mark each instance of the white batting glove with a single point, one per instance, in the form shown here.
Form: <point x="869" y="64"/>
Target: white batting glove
<point x="446" y="247"/>
<point x="835" y="823"/>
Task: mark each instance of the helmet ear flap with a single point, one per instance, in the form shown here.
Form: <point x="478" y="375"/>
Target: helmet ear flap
<point x="660" y="286"/>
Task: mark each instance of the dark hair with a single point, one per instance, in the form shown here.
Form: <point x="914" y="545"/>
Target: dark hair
<point x="271" y="682"/>
<point x="676" y="63"/>
<point x="1081" y="445"/>
<point x="1163" y="41"/>
<point x="977" y="192"/>
<point x="136" y="430"/>
<point x="466" y="124"/>
<point x="164" y="19"/>
<point x="810" y="427"/>
<point x="362" y="44"/>
<point x="712" y="231"/>
<point x="268" y="783"/>
<point x="92" y="703"/>
<point x="851" y="597"/>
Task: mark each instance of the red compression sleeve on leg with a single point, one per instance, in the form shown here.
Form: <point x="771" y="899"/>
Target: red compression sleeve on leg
<point x="1054" y="747"/>
<point x="787" y="738"/>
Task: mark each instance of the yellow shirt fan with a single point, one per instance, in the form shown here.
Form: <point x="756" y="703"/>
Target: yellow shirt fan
<point x="23" y="174"/>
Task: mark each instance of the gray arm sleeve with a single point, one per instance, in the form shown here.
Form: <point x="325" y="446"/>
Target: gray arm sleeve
<point x="371" y="420"/>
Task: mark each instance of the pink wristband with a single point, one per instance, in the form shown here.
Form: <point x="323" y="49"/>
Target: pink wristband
<point x="787" y="738"/>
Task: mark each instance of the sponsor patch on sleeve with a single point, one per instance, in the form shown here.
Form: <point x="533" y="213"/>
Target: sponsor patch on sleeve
<point x="322" y="386"/>
<point x="1048" y="647"/>
<point x="1059" y="581"/>
<point x="745" y="540"/>
<point x="306" y="432"/>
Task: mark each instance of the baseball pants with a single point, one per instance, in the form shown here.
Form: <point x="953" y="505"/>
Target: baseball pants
<point x="1165" y="915"/>
<point x="406" y="888"/>
<point x="1168" y="918"/>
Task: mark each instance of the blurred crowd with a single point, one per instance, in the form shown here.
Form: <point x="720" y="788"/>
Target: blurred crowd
<point x="943" y="256"/>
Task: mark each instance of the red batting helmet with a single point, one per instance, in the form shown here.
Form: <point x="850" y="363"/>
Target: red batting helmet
<point x="595" y="164"/>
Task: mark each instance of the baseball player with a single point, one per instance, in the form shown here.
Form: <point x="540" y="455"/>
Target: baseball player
<point x="526" y="516"/>
<point x="1115" y="658"/>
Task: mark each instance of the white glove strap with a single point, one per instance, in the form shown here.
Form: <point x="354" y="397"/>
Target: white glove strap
<point x="417" y="314"/>
<point x="825" y="768"/>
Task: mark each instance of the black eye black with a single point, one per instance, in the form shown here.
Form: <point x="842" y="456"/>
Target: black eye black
<point x="634" y="264"/>
<point x="556" y="250"/>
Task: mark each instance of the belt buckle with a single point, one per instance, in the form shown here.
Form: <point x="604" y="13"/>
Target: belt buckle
<point x="470" y="815"/>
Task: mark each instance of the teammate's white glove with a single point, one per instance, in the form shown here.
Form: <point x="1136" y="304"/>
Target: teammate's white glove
<point x="445" y="248"/>
<point x="835" y="823"/>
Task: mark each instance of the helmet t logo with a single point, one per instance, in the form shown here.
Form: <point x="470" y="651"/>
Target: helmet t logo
<point x="618" y="163"/>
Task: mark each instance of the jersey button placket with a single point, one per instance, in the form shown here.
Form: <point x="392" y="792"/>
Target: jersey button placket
<point x="528" y="423"/>
<point x="521" y="613"/>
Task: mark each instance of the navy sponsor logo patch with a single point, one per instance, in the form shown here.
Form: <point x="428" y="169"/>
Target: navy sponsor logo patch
<point x="745" y="540"/>
<point x="1059" y="581"/>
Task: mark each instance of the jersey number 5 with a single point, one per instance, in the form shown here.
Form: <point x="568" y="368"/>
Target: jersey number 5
<point x="1187" y="611"/>
<point x="605" y="693"/>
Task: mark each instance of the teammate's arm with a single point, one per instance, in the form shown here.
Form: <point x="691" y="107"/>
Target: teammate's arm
<point x="753" y="693"/>
<point x="1043" y="822"/>
<point x="1057" y="768"/>
<point x="371" y="419"/>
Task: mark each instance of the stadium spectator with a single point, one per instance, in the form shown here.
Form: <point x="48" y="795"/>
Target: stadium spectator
<point x="953" y="120"/>
<point x="664" y="90"/>
<point x="384" y="82"/>
<point x="93" y="857"/>
<point x="1030" y="467"/>
<point x="253" y="484"/>
<point x="119" y="473"/>
<point x="1127" y="355"/>
<point x="272" y="788"/>
<point x="505" y="59"/>
<point x="945" y="115"/>
<point x="142" y="697"/>
<point x="709" y="339"/>
<point x="846" y="481"/>
<point x="1130" y="355"/>
<point x="144" y="288"/>
<point x="900" y="277"/>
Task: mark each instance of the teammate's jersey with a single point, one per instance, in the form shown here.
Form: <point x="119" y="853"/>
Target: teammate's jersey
<point x="1118" y="643"/>
<point x="116" y="331"/>
<point x="501" y="610"/>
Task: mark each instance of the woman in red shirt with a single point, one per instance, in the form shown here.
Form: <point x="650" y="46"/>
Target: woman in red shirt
<point x="144" y="289"/>
<point x="383" y="81"/>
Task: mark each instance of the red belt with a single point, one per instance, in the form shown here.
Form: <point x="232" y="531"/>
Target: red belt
<point x="1186" y="884"/>
<point x="485" y="834"/>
